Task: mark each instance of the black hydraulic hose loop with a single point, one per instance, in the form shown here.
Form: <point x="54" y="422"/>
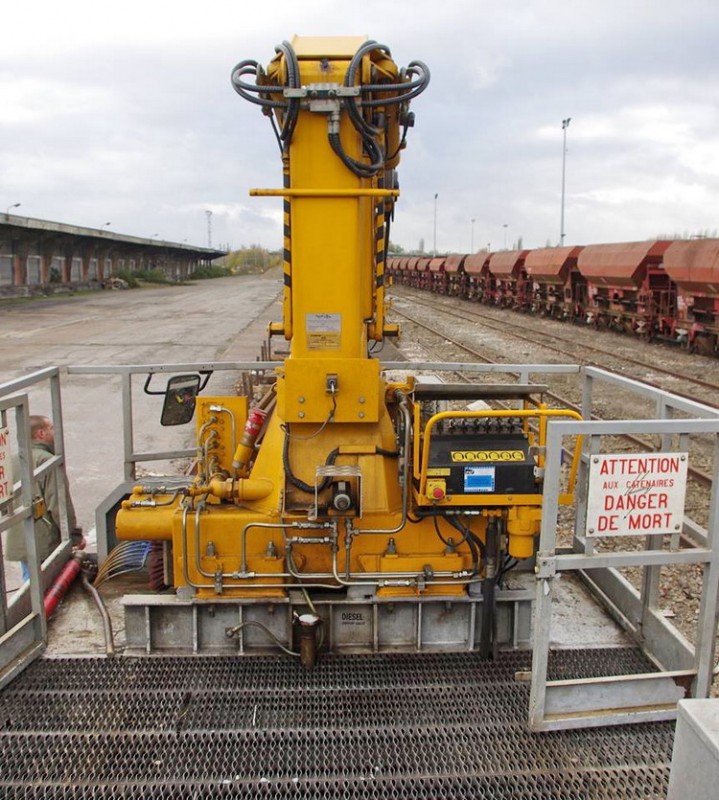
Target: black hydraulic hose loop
<point x="359" y="122"/>
<point x="401" y="144"/>
<point x="405" y="91"/>
<point x="369" y="132"/>
<point x="444" y="541"/>
<point x="245" y="90"/>
<point x="293" y="81"/>
<point x="356" y="59"/>
<point x="298" y="483"/>
<point x="358" y="168"/>
<point x="476" y="545"/>
<point x="250" y="68"/>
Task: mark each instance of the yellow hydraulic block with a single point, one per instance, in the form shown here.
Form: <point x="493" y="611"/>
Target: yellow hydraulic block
<point x="522" y="526"/>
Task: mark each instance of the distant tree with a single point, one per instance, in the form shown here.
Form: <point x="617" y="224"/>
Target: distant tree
<point x="700" y="234"/>
<point x="395" y="248"/>
<point x="251" y="259"/>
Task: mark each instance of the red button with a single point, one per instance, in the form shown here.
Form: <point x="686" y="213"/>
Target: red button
<point x="437" y="493"/>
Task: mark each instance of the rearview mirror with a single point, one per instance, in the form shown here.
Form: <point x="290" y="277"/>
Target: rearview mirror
<point x="180" y="395"/>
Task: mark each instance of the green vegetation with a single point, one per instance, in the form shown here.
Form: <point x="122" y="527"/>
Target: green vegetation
<point x="129" y="278"/>
<point x="211" y="271"/>
<point x="251" y="260"/>
<point x="140" y="276"/>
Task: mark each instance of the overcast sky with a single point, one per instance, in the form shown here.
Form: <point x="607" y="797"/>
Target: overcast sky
<point x="124" y="113"/>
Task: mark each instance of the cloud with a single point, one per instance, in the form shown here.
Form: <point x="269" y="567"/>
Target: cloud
<point x="125" y="112"/>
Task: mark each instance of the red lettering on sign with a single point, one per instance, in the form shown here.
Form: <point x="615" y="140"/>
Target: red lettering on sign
<point x="640" y="522"/>
<point x="607" y="522"/>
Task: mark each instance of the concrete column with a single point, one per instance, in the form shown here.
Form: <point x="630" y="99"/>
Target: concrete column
<point x="46" y="250"/>
<point x="102" y="254"/>
<point x="19" y="268"/>
<point x="66" y="272"/>
<point x="85" y="257"/>
<point x="45" y="261"/>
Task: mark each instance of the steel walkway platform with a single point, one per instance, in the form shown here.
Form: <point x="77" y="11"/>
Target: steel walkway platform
<point x="387" y="726"/>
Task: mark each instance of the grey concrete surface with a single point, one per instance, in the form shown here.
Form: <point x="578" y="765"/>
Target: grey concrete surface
<point x="211" y="320"/>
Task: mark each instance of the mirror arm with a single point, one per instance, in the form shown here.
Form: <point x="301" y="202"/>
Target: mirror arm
<point x="146" y="387"/>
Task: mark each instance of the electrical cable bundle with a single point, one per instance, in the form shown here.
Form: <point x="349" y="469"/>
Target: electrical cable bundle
<point x="126" y="557"/>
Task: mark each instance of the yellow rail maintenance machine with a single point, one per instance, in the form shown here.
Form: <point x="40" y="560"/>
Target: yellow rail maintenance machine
<point x="342" y="511"/>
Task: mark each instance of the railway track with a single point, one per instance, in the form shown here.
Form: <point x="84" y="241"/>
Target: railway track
<point x="576" y="350"/>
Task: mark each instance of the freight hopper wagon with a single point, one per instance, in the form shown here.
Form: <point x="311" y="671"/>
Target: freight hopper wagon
<point x="362" y="512"/>
<point x="660" y="290"/>
<point x="693" y="266"/>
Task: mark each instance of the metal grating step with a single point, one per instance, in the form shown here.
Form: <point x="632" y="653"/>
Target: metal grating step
<point x="106" y="712"/>
<point x="386" y="726"/>
<point x="311" y="754"/>
<point x="250" y="673"/>
<point x="618" y="784"/>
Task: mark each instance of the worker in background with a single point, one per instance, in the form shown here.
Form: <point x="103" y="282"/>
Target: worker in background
<point x="45" y="489"/>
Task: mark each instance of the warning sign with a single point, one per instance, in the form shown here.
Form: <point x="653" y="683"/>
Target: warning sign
<point x="636" y="495"/>
<point x="6" y="478"/>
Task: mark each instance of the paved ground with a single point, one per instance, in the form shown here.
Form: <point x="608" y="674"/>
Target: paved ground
<point x="212" y="320"/>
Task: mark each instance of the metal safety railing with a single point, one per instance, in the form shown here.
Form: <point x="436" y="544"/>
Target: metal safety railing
<point x="23" y="627"/>
<point x="603" y="554"/>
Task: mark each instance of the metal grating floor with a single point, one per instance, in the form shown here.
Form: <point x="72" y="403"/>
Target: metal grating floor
<point x="383" y="726"/>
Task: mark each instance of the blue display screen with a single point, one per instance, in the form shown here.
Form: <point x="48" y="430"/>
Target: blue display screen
<point x="479" y="479"/>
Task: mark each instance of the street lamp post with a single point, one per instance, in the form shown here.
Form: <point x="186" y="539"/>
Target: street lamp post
<point x="471" y="249"/>
<point x="434" y="248"/>
<point x="14" y="205"/>
<point x="565" y="125"/>
<point x="209" y="228"/>
<point x="505" y="226"/>
<point x="106" y="225"/>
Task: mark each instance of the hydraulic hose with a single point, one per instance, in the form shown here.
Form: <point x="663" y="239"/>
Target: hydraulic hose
<point x="62" y="583"/>
<point x="293" y="80"/>
<point x="409" y="90"/>
<point x="298" y="483"/>
<point x="489" y="594"/>
<point x="102" y="608"/>
<point x="360" y="123"/>
<point x="246" y="90"/>
<point x="357" y="167"/>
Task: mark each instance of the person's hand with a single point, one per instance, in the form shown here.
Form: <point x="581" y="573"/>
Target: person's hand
<point x="77" y="540"/>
